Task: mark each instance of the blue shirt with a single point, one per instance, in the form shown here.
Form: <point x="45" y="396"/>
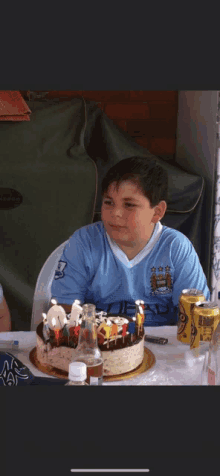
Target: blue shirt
<point x="95" y="270"/>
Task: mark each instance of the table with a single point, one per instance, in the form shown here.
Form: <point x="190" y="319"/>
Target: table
<point x="175" y="363"/>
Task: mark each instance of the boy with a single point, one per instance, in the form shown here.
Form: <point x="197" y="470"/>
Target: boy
<point x="129" y="255"/>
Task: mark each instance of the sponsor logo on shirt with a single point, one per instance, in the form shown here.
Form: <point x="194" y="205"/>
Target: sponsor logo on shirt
<point x="161" y="283"/>
<point x="151" y="311"/>
<point x="59" y="273"/>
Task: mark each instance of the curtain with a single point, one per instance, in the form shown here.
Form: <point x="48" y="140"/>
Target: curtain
<point x="215" y="261"/>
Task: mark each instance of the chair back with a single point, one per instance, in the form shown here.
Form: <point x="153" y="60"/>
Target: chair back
<point x="42" y="294"/>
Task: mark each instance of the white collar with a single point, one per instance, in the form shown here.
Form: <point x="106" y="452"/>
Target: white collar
<point x="146" y="250"/>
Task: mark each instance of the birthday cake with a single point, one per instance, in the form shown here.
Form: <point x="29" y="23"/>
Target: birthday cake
<point x="120" y="340"/>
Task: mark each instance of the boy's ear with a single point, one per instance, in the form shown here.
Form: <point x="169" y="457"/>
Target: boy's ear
<point x="159" y="211"/>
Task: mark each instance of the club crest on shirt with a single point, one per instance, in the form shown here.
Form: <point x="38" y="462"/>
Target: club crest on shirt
<point x="161" y="282"/>
<point x="59" y="273"/>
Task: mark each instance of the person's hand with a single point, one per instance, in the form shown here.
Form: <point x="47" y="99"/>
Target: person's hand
<point x="5" y="317"/>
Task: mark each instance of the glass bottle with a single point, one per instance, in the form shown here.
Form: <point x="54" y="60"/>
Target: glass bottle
<point x="77" y="374"/>
<point x="87" y="349"/>
<point x="211" y="367"/>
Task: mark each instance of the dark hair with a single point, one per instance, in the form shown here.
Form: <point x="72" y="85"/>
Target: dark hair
<point x="150" y="177"/>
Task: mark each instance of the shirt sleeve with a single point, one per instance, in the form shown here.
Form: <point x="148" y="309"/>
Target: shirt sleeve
<point x="188" y="272"/>
<point x="73" y="273"/>
<point x="1" y="294"/>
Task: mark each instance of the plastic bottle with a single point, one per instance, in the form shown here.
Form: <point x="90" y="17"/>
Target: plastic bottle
<point x="211" y="367"/>
<point x="77" y="374"/>
<point x="87" y="350"/>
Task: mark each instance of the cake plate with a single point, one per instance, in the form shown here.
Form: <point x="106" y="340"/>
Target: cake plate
<point x="147" y="364"/>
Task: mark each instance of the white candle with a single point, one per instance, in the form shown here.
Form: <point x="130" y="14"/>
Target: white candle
<point x="56" y="312"/>
<point x="75" y="313"/>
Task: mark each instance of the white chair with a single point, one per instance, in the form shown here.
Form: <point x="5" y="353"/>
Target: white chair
<point x="42" y="293"/>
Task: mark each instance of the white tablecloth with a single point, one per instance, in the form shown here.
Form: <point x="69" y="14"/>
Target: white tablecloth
<point x="175" y="363"/>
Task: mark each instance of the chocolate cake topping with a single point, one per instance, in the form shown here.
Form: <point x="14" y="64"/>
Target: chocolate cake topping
<point x="72" y="340"/>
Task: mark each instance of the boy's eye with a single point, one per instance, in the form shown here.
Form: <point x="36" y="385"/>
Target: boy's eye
<point x="128" y="205"/>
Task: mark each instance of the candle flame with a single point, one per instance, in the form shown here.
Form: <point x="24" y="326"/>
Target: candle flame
<point x="134" y="318"/>
<point x="53" y="301"/>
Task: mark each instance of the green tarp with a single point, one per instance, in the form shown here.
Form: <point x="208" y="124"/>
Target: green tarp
<point x="56" y="163"/>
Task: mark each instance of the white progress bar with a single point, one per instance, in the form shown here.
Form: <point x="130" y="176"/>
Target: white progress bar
<point x="110" y="470"/>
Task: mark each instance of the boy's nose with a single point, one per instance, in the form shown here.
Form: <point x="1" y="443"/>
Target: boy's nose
<point x="117" y="213"/>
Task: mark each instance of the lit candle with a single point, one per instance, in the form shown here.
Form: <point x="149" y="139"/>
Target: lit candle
<point x="138" y="315"/>
<point x="46" y="329"/>
<point x="56" y="330"/>
<point x="75" y="313"/>
<point x="76" y="332"/>
<point x="56" y="312"/>
<point x="139" y="321"/>
<point x="107" y="329"/>
<point x="141" y="310"/>
<point x="66" y="331"/>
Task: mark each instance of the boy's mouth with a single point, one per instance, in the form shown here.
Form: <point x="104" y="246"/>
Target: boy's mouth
<point x="116" y="227"/>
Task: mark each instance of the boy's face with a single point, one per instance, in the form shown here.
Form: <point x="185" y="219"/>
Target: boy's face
<point x="127" y="215"/>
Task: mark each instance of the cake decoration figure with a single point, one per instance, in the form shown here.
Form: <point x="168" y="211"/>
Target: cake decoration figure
<point x="124" y="329"/>
<point x="131" y="329"/>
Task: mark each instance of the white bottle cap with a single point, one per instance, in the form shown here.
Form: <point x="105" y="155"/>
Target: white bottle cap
<point x="77" y="371"/>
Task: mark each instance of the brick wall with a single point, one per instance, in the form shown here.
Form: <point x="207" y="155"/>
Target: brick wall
<point x="149" y="117"/>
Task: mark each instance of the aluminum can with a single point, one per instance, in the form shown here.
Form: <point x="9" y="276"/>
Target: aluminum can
<point x="204" y="322"/>
<point x="187" y="301"/>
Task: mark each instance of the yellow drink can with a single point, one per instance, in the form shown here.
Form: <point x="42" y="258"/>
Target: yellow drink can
<point x="204" y="322"/>
<point x="187" y="301"/>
